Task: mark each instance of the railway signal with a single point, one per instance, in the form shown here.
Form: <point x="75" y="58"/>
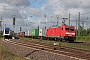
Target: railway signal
<point x="20" y="29"/>
<point x="0" y="23"/>
<point x="14" y="21"/>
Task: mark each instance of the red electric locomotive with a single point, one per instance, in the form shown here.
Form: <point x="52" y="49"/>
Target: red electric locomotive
<point x="62" y="33"/>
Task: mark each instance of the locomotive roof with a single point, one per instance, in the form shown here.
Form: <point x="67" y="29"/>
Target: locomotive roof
<point x="63" y="25"/>
<point x="67" y="25"/>
<point x="7" y="28"/>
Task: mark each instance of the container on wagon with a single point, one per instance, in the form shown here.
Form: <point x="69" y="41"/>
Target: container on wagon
<point x="35" y="32"/>
<point x="28" y="33"/>
<point x="42" y="32"/>
<point x="21" y="34"/>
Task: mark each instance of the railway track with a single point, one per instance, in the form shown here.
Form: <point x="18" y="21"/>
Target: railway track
<point x="60" y="50"/>
<point x="82" y="43"/>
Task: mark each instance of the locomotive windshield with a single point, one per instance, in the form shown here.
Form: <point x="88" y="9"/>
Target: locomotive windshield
<point x="6" y="31"/>
<point x="71" y="29"/>
<point x="67" y="28"/>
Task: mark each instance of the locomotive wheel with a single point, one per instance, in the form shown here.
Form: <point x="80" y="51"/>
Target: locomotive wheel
<point x="60" y="40"/>
<point x="72" y="41"/>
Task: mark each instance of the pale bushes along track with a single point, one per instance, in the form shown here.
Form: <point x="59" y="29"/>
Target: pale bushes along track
<point x="46" y="52"/>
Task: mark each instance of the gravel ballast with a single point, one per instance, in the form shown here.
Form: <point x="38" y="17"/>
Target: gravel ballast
<point x="33" y="54"/>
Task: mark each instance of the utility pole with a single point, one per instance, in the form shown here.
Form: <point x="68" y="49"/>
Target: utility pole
<point x="1" y="23"/>
<point x="76" y="24"/>
<point x="20" y="29"/>
<point x="69" y="19"/>
<point x="13" y="25"/>
<point x="57" y="16"/>
<point x="79" y="23"/>
<point x="82" y="25"/>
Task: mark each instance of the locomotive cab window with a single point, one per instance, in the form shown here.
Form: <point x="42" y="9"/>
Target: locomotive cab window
<point x="72" y="29"/>
<point x="67" y="28"/>
<point x="6" y="31"/>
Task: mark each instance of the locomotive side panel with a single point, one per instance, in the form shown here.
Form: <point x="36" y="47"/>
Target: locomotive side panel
<point x="50" y="32"/>
<point x="57" y="32"/>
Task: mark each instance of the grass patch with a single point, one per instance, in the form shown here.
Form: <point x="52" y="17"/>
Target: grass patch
<point x="6" y="54"/>
<point x="73" y="45"/>
<point x="37" y="40"/>
<point x="1" y="35"/>
<point x="83" y="39"/>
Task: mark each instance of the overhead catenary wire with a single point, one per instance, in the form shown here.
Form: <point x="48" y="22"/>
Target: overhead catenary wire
<point x="85" y="13"/>
<point x="17" y="10"/>
<point x="45" y="8"/>
<point x="20" y="2"/>
<point x="82" y="14"/>
<point x="33" y="2"/>
<point x="25" y="7"/>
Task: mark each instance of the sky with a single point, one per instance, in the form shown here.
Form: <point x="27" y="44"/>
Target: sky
<point x="29" y="14"/>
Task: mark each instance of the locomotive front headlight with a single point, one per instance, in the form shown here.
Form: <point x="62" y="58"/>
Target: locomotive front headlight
<point x="67" y="33"/>
<point x="73" y="33"/>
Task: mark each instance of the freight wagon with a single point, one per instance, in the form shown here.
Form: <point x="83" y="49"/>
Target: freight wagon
<point x="42" y="32"/>
<point x="35" y="33"/>
<point x="21" y="34"/>
<point x="28" y="33"/>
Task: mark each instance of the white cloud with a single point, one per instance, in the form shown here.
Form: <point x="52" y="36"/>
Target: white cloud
<point x="8" y="8"/>
<point x="19" y="2"/>
<point x="12" y="7"/>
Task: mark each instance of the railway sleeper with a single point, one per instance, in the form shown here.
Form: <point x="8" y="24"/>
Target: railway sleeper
<point x="43" y="49"/>
<point x="54" y="48"/>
